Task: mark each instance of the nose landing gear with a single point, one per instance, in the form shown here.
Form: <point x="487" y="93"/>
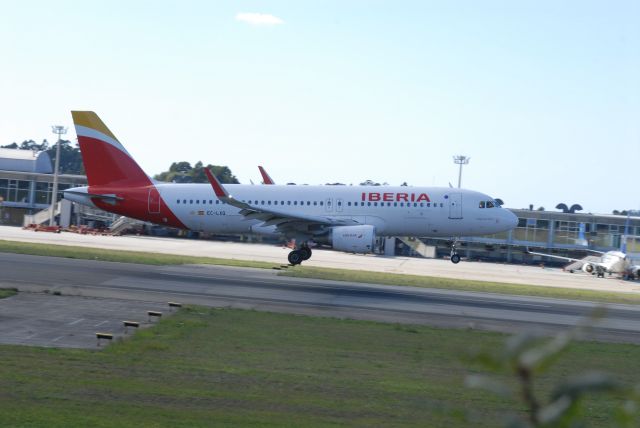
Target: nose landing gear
<point x="455" y="257"/>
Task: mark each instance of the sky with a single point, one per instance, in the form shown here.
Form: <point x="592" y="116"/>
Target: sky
<point x="543" y="96"/>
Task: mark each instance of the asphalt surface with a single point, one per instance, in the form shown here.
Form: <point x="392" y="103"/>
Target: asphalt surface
<point x="39" y="319"/>
<point x="509" y="273"/>
<point x="264" y="290"/>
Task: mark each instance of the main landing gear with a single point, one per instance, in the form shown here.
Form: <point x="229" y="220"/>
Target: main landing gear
<point x="298" y="256"/>
<point x="455" y="257"/>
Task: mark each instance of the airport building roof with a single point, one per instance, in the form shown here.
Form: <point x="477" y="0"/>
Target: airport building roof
<point x="25" y="161"/>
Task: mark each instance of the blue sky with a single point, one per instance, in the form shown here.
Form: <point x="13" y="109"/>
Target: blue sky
<point x="544" y="96"/>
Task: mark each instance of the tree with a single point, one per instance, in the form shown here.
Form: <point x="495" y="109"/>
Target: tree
<point x="369" y="183"/>
<point x="183" y="172"/>
<point x="566" y="209"/>
<point x="70" y="158"/>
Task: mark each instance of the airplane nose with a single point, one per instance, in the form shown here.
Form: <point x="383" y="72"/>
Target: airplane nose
<point x="512" y="219"/>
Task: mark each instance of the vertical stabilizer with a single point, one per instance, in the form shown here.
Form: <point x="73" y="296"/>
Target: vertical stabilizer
<point x="106" y="161"/>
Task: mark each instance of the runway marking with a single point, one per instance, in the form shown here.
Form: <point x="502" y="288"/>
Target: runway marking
<point x="100" y="323"/>
<point x="76" y="321"/>
<point x="57" y="338"/>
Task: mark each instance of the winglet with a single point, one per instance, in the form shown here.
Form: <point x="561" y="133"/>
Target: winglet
<point x="266" y="179"/>
<point x="220" y="191"/>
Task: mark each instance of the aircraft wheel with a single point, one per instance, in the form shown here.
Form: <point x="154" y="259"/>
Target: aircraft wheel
<point x="295" y="257"/>
<point x="455" y="259"/>
<point x="306" y="253"/>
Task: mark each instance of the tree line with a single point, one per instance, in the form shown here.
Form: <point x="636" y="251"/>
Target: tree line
<point x="71" y="163"/>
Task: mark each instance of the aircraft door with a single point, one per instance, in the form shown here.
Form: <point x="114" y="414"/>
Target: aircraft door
<point x="154" y="201"/>
<point x="339" y="205"/>
<point x="455" y="205"/>
<point x="328" y="205"/>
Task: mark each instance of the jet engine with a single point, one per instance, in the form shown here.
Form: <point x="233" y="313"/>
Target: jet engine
<point x="355" y="239"/>
<point x="588" y="268"/>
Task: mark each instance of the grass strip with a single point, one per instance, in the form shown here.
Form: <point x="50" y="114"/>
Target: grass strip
<point x="88" y="253"/>
<point x="7" y="292"/>
<point x="460" y="284"/>
<point x="224" y="367"/>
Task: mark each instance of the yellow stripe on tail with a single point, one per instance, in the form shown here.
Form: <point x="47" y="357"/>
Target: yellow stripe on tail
<point x="91" y="120"/>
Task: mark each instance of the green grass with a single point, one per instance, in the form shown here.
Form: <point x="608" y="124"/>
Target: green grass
<point x="208" y="367"/>
<point x="320" y="273"/>
<point x="460" y="284"/>
<point x="88" y="253"/>
<point x="7" y="292"/>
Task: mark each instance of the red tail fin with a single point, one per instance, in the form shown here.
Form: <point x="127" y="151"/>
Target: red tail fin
<point x="106" y="161"/>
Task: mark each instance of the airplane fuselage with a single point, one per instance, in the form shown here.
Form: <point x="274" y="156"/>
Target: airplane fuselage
<point x="413" y="211"/>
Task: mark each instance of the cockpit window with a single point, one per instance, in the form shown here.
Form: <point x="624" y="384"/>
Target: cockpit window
<point x="490" y="204"/>
<point x="481" y="204"/>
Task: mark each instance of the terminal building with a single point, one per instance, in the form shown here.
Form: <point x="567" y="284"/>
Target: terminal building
<point x="26" y="183"/>
<point x="554" y="232"/>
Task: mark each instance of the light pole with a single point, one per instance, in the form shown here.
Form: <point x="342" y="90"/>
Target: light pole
<point x="460" y="160"/>
<point x="56" y="129"/>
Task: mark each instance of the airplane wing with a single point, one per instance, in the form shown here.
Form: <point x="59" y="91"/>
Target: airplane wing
<point x="569" y="259"/>
<point x="286" y="223"/>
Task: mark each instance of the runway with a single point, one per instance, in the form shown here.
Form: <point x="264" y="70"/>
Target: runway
<point x="510" y="273"/>
<point x="264" y="290"/>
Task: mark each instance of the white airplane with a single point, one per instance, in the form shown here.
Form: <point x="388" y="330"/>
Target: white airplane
<point x="610" y="262"/>
<point x="347" y="217"/>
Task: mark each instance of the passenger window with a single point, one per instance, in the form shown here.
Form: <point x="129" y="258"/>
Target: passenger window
<point x="308" y="203"/>
<point x="190" y="201"/>
<point x="315" y="203"/>
<point x="184" y="201"/>
<point x="178" y="200"/>
<point x="348" y="203"/>
<point x="288" y="202"/>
